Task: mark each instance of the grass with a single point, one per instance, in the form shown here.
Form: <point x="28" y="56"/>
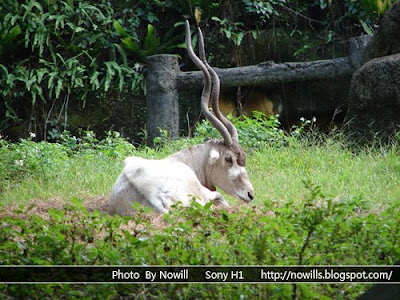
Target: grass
<point x="79" y="177"/>
<point x="370" y="176"/>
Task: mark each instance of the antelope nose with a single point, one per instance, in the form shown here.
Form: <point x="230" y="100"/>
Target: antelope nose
<point x="250" y="195"/>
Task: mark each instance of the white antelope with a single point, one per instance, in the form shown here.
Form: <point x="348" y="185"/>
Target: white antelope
<point x="193" y="172"/>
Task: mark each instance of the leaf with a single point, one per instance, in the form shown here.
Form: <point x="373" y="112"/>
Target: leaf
<point x="151" y="42"/>
<point x="50" y="82"/>
<point x="79" y="29"/>
<point x="216" y="19"/>
<point x="131" y="45"/>
<point x="94" y="80"/>
<point x="121" y="78"/>
<point x="59" y="21"/>
<point x="11" y="35"/>
<point x="59" y="87"/>
<point x="387" y="4"/>
<point x="180" y="46"/>
<point x="40" y="73"/>
<point x="208" y="205"/>
<point x="239" y="38"/>
<point x="110" y="65"/>
<point x="122" y="53"/>
<point x="120" y="29"/>
<point x="228" y="33"/>
<point x="368" y="29"/>
<point x="379" y="6"/>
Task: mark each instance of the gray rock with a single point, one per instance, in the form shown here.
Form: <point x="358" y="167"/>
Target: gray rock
<point x="374" y="96"/>
<point x="374" y="99"/>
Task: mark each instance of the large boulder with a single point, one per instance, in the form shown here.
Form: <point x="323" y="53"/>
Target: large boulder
<point x="374" y="95"/>
<point x="374" y="98"/>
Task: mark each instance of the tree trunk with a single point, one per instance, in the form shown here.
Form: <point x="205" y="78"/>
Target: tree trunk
<point x="162" y="96"/>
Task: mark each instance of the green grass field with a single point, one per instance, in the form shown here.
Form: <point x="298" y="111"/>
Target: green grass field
<point x="371" y="176"/>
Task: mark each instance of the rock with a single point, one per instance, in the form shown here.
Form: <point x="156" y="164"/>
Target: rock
<point x="386" y="41"/>
<point x="374" y="96"/>
<point x="374" y="99"/>
<point x="382" y="292"/>
<point x="357" y="49"/>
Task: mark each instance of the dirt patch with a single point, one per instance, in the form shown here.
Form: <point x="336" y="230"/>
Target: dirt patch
<point x="41" y="207"/>
<point x="97" y="203"/>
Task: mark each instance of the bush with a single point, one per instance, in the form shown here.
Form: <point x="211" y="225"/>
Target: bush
<point x="54" y="52"/>
<point x="255" y="132"/>
<point x="319" y="231"/>
<point x="28" y="157"/>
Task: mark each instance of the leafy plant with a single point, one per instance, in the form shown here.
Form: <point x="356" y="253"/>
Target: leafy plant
<point x="255" y="132"/>
<point x="151" y="44"/>
<point x="68" y="53"/>
<point x="265" y="9"/>
<point x="377" y="6"/>
<point x="317" y="232"/>
<point x="28" y="157"/>
<point x="231" y="30"/>
<point x="368" y="12"/>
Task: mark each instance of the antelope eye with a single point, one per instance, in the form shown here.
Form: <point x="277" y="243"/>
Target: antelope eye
<point x="229" y="159"/>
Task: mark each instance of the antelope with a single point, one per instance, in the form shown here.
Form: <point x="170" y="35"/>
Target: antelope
<point x="193" y="173"/>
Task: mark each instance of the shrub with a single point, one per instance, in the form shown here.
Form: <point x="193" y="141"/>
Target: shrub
<point x="255" y="132"/>
<point x="28" y="157"/>
<point x="60" y="51"/>
<point x="318" y="231"/>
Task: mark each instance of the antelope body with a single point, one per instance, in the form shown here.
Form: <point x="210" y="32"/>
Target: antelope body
<point x="191" y="173"/>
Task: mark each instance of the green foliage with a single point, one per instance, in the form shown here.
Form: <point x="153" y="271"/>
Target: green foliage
<point x="57" y="55"/>
<point x="265" y="9"/>
<point x="112" y="145"/>
<point x="373" y="9"/>
<point x="65" y="51"/>
<point x="151" y="44"/>
<point x="255" y="132"/>
<point x="235" y="31"/>
<point x="207" y="8"/>
<point x="367" y="12"/>
<point x="29" y="158"/>
<point x="320" y="231"/>
<point x="377" y="6"/>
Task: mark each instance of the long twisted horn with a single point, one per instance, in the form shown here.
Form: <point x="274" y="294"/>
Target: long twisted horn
<point x="206" y="94"/>
<point x="215" y="91"/>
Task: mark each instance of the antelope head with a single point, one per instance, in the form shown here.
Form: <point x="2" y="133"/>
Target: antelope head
<point x="227" y="159"/>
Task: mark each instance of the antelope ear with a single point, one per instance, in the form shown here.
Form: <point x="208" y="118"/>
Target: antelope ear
<point x="213" y="156"/>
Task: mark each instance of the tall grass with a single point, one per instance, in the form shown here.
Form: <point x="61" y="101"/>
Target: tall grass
<point x="278" y="168"/>
<point x="371" y="176"/>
